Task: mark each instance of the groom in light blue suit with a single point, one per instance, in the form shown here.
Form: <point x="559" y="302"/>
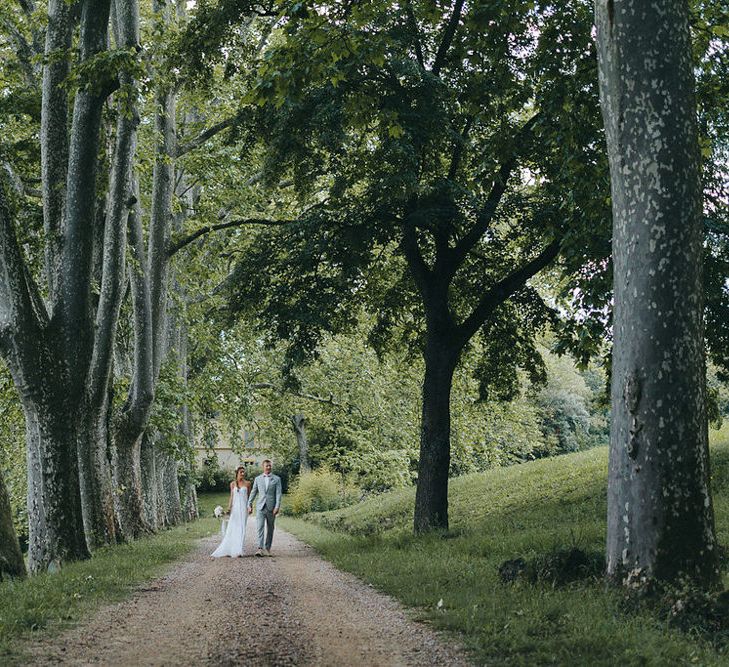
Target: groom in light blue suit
<point x="268" y="489"/>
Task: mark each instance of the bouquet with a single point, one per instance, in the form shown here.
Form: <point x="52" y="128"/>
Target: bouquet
<point x="220" y="514"/>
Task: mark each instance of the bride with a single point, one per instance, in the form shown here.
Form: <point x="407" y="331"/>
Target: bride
<point x="235" y="534"/>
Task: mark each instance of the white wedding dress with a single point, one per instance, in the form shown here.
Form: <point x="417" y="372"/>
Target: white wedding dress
<point x="235" y="534"/>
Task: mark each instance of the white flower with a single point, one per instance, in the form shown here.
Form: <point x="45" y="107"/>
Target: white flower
<point x="218" y="511"/>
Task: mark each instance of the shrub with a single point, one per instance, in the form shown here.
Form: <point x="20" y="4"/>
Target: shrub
<point x="320" y="491"/>
<point x="212" y="477"/>
<point x="556" y="568"/>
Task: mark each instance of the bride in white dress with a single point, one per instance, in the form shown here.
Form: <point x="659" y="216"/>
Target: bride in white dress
<point x="235" y="534"/>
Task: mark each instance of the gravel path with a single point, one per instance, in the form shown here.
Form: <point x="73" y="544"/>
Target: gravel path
<point x="209" y="612"/>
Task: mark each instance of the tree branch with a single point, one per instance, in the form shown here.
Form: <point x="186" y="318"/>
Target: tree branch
<point x="309" y="397"/>
<point x="201" y="138"/>
<point x="163" y="183"/>
<point x="54" y="135"/>
<point x="186" y="240"/>
<point x="414" y="257"/>
<point x="448" y="35"/>
<point x="21" y="311"/>
<point x="121" y="203"/>
<point x="74" y="287"/>
<point x="416" y="33"/>
<point x="504" y="289"/>
<point x="141" y="391"/>
<point x="24" y="52"/>
<point x="454" y="257"/>
<point x="458" y="149"/>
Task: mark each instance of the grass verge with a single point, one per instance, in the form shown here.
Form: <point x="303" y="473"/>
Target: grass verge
<point x="49" y="603"/>
<point x="530" y="510"/>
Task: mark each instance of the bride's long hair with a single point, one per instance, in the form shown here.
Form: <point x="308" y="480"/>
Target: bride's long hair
<point x="237" y="470"/>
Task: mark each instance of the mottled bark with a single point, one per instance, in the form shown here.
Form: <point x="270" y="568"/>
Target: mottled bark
<point x="150" y="290"/>
<point x="95" y="478"/>
<point x="56" y="533"/>
<point x="54" y="134"/>
<point x="141" y="393"/>
<point x="161" y="223"/>
<point x="190" y="510"/>
<point x="150" y="487"/>
<point x="74" y="299"/>
<point x="74" y="289"/>
<point x="171" y="490"/>
<point x="298" y="423"/>
<point x="660" y="516"/>
<point x="61" y="364"/>
<point x="186" y="493"/>
<point x="26" y="337"/>
<point x="128" y="484"/>
<point x="11" y="558"/>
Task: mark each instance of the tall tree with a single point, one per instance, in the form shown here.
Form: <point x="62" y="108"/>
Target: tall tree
<point x="427" y="147"/>
<point x="59" y="317"/>
<point x="660" y="516"/>
<point x="57" y="350"/>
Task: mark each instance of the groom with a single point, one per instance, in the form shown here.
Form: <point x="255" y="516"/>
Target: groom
<point x="268" y="489"/>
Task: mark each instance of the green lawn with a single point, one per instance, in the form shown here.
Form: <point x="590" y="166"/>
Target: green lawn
<point x="526" y="511"/>
<point x="49" y="603"/>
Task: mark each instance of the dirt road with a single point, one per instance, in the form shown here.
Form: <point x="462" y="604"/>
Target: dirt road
<point x="291" y="609"/>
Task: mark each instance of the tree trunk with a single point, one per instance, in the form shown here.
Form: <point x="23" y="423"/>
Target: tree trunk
<point x="159" y="468"/>
<point x="97" y="495"/>
<point x="128" y="484"/>
<point x="186" y="477"/>
<point x="660" y="516"/>
<point x="189" y="500"/>
<point x="150" y="489"/>
<point x="56" y="531"/>
<point x="298" y="422"/>
<point x="431" y="497"/>
<point x="11" y="559"/>
<point x="60" y="357"/>
<point x="54" y="136"/>
<point x="171" y="491"/>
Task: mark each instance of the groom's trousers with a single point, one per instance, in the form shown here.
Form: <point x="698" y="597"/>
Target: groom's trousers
<point x="265" y="517"/>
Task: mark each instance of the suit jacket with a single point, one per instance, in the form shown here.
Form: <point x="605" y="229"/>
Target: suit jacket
<point x="271" y="499"/>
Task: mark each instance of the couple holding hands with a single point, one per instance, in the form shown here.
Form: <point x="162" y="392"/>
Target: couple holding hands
<point x="267" y="489"/>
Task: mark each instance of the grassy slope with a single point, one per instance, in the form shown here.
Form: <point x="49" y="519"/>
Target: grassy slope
<point x="504" y="513"/>
<point x="50" y="602"/>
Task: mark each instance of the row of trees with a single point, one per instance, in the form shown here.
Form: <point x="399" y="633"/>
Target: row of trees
<point x="77" y="87"/>
<point x="421" y="162"/>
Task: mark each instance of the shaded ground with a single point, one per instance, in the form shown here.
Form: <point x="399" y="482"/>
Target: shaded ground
<point x="291" y="609"/>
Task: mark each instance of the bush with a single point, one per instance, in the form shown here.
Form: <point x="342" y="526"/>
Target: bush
<point x="320" y="491"/>
<point x="212" y="477"/>
<point x="557" y="568"/>
<point x="284" y="472"/>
